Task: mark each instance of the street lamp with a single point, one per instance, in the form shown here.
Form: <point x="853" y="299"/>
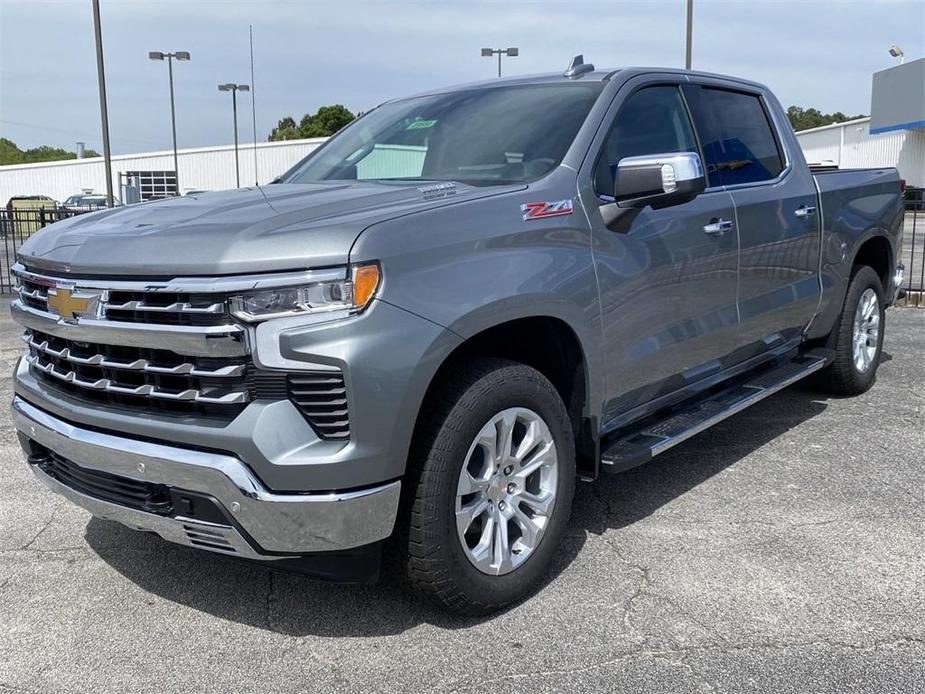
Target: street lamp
<point x="179" y="55"/>
<point x="234" y="89"/>
<point x="489" y="52"/>
<point x="897" y="52"/>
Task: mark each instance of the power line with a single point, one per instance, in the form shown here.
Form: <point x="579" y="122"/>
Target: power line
<point x="76" y="133"/>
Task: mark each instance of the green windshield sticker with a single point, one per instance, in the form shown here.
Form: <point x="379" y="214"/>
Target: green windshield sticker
<point x="421" y="124"/>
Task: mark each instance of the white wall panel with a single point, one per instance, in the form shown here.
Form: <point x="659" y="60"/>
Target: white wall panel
<point x="851" y="146"/>
<point x="208" y="168"/>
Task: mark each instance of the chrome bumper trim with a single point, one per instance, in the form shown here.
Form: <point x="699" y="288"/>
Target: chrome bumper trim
<point x="221" y="284"/>
<point x="223" y="539"/>
<point x="278" y="523"/>
<point x="206" y="341"/>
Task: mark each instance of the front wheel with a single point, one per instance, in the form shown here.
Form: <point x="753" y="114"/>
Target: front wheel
<point x="490" y="487"/>
<point x="858" y="337"/>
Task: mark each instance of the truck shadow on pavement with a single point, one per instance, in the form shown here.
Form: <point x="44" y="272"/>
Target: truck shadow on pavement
<point x="294" y="605"/>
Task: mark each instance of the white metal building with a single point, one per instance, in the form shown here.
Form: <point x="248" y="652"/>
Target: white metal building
<point x="851" y="145"/>
<point x="204" y="168"/>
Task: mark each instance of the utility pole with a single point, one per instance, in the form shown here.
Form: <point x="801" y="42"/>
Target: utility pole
<point x="104" y="111"/>
<point x="234" y="89"/>
<point x="179" y="55"/>
<point x="511" y="52"/>
<point x="690" y="33"/>
<point x="253" y="103"/>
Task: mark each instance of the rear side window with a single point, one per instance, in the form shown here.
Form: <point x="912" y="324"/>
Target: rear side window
<point x="652" y="121"/>
<point x="737" y="139"/>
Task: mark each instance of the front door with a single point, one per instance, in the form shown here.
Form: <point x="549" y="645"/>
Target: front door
<point x="667" y="278"/>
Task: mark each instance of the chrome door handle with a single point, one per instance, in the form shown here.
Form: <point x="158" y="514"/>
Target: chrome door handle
<point x="803" y="211"/>
<point x="717" y="227"/>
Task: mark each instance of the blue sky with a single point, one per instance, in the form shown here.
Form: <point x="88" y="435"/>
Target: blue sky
<point x="359" y="54"/>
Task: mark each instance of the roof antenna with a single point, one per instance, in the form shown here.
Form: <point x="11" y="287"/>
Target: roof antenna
<point x="578" y="67"/>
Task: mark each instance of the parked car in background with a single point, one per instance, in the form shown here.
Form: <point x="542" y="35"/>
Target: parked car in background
<point x="23" y="213"/>
<point x="30" y="202"/>
<point x="87" y="202"/>
<point x="463" y="302"/>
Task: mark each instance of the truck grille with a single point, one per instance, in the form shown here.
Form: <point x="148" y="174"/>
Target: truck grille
<point x="161" y="346"/>
<point x="166" y="308"/>
<point x="157" y="379"/>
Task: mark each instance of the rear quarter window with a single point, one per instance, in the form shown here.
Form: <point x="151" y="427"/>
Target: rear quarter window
<point x="739" y="145"/>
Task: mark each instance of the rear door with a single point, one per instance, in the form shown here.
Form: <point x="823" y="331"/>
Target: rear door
<point x="775" y="207"/>
<point x="667" y="280"/>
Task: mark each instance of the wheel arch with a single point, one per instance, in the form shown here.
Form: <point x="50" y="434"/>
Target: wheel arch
<point x="876" y="252"/>
<point x="547" y="342"/>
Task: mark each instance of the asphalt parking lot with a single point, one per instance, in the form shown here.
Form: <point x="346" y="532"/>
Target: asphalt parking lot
<point x="783" y="550"/>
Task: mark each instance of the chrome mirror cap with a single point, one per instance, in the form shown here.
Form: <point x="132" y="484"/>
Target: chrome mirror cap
<point x="659" y="180"/>
<point x="674" y="169"/>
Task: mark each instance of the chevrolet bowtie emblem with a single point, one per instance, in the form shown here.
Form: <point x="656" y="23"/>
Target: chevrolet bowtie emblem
<point x="65" y="304"/>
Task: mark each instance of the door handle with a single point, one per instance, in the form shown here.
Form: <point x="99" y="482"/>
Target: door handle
<point x="803" y="211"/>
<point x="717" y="227"/>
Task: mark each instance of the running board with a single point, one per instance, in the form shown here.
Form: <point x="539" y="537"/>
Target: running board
<point x="643" y="445"/>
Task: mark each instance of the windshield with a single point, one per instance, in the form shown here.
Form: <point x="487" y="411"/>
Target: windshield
<point x="482" y="137"/>
<point x="73" y="200"/>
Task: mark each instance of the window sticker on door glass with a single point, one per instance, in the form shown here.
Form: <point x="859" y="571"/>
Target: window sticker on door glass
<point x="421" y="124"/>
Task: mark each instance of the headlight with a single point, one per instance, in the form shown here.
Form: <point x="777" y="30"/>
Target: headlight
<point x="351" y="293"/>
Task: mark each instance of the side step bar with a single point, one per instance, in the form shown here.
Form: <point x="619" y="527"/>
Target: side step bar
<point x="658" y="436"/>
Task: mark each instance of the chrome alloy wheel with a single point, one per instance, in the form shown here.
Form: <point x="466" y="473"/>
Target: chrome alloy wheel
<point x="506" y="491"/>
<point x="866" y="331"/>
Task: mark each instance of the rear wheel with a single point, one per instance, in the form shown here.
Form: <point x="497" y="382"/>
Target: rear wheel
<point x="490" y="488"/>
<point x="858" y="337"/>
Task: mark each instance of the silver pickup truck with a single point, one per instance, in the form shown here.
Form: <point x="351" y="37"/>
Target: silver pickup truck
<point x="415" y="341"/>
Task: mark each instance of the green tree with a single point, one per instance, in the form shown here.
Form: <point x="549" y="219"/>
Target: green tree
<point x="286" y="129"/>
<point x="326" y="121"/>
<point x="10" y="153"/>
<point x="806" y="118"/>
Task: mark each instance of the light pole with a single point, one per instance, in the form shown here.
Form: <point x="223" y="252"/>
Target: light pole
<point x="510" y="52"/>
<point x="234" y="89"/>
<point x="104" y="111"/>
<point x="897" y="52"/>
<point x="179" y="55"/>
<point x="690" y="34"/>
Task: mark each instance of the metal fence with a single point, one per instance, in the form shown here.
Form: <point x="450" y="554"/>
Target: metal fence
<point x="18" y="225"/>
<point x="912" y="253"/>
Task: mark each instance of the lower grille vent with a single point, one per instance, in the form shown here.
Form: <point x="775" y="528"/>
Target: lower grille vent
<point x="208" y="538"/>
<point x="143" y="496"/>
<point x="321" y="397"/>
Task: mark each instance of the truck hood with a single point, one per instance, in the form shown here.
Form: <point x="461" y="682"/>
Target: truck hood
<point x="248" y="230"/>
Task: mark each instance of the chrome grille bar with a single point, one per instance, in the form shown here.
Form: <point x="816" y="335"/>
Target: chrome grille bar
<point x="184" y="369"/>
<point x="35" y="294"/>
<point x="146" y="390"/>
<point x="226" y="340"/>
<point x="178" y="307"/>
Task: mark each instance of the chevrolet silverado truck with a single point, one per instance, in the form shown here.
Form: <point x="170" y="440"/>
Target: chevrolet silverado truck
<point x="409" y="347"/>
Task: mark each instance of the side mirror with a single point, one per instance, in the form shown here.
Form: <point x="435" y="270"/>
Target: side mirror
<point x="659" y="180"/>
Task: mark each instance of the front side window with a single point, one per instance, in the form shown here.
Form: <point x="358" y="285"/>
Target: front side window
<point x="652" y="121"/>
<point x="483" y="137"/>
<point x="738" y="143"/>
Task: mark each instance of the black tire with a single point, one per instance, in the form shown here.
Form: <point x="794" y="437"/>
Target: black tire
<point x="432" y="556"/>
<point x="842" y="376"/>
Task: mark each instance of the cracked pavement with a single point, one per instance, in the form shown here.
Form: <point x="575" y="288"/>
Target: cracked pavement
<point x="782" y="550"/>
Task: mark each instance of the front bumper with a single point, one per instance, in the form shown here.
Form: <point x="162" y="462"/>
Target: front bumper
<point x="262" y="524"/>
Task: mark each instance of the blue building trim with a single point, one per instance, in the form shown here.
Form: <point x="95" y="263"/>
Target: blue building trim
<point x="901" y="126"/>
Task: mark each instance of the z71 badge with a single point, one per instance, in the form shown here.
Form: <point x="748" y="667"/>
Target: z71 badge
<point x="539" y="210"/>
